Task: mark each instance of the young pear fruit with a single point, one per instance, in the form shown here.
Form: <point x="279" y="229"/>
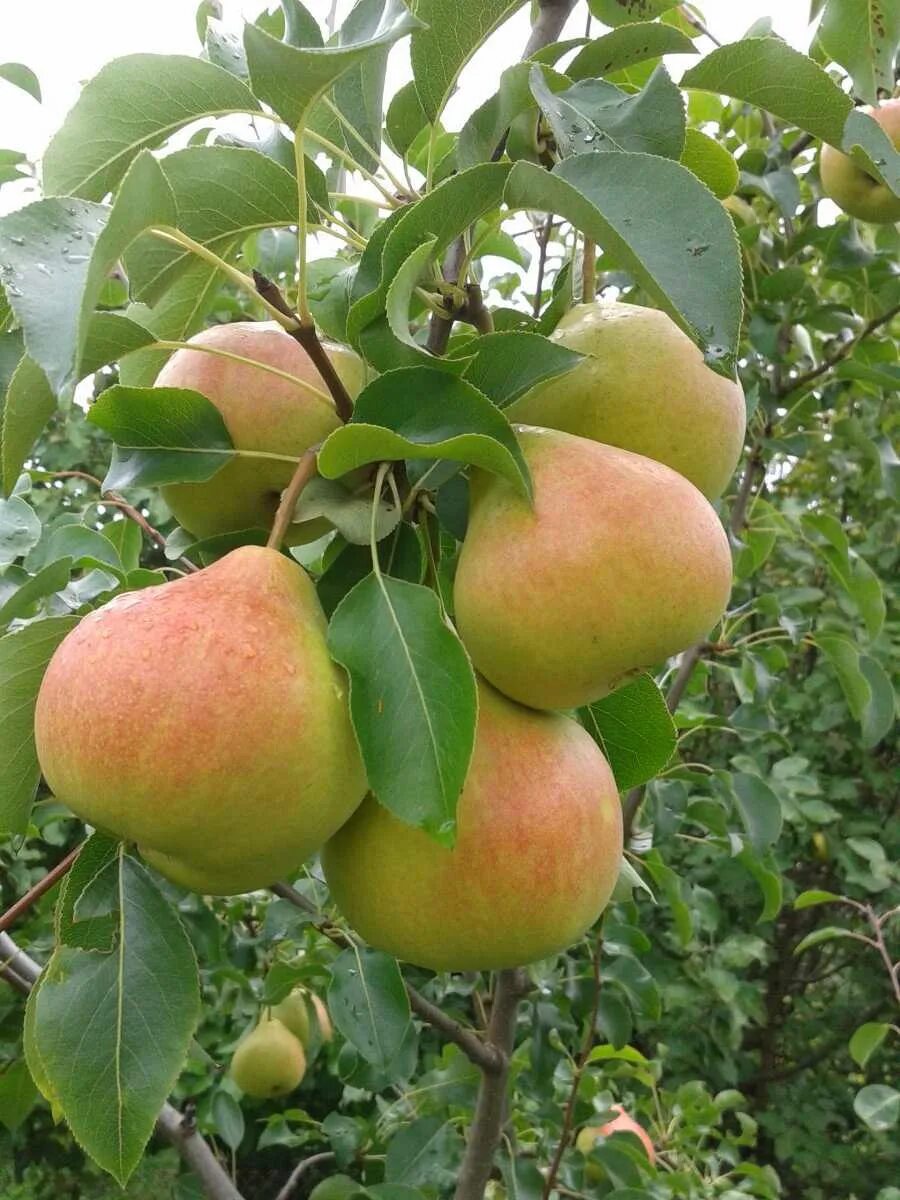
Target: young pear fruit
<point x="262" y="410"/>
<point x="621" y="1123"/>
<point x="537" y="853"/>
<point x="204" y="720"/>
<point x="620" y="564"/>
<point x="293" y="1013"/>
<point x="269" y="1062"/>
<point x="323" y="1019"/>
<point x="642" y="386"/>
<point x="851" y="187"/>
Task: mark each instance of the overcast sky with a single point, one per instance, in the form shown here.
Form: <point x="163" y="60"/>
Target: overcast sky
<point x="66" y="43"/>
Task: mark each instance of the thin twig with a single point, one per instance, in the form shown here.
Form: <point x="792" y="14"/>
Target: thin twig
<point x="586" y="1046"/>
<point x="799" y="381"/>
<point x="543" y="242"/>
<point x="296" y="1176"/>
<point x="490" y="1108"/>
<point x="893" y="969"/>
<point x="551" y="18"/>
<point x="284" y="515"/>
<point x="12" y="914"/>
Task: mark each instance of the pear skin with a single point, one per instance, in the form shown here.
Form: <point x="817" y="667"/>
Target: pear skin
<point x="262" y="411"/>
<point x="269" y="1062"/>
<point x="620" y="564"/>
<point x="851" y="187"/>
<point x="538" y="849"/>
<point x="294" y="1015"/>
<point x="204" y="720"/>
<point x="643" y="386"/>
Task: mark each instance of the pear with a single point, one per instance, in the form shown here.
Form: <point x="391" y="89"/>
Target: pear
<point x="323" y="1019"/>
<point x="262" y="410"/>
<point x="620" y="563"/>
<point x="623" y="1122"/>
<point x="851" y="187"/>
<point x="293" y="1013"/>
<point x="537" y="854"/>
<point x="269" y="1062"/>
<point x="204" y="720"/>
<point x="642" y="386"/>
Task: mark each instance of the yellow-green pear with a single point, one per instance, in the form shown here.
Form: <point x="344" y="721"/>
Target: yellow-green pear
<point x="281" y="411"/>
<point x="323" y="1018"/>
<point x="293" y="1013"/>
<point x="620" y="563"/>
<point x="643" y="386"/>
<point x="205" y="721"/>
<point x="851" y="187"/>
<point x="537" y="854"/>
<point x="269" y="1062"/>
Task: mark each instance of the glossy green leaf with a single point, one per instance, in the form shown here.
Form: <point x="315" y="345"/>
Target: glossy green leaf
<point x="814" y="896"/>
<point x="863" y="37"/>
<point x="18" y="1094"/>
<point x="697" y="280"/>
<point x="484" y="130"/>
<point x="418" y="412"/>
<point x="28" y="407"/>
<point x="405" y="118"/>
<point x="423" y="1152"/>
<point x="412" y="699"/>
<point x="91" y="926"/>
<point x="50" y="579"/>
<point x="827" y="933"/>
<point x="866" y="1040"/>
<point x="768" y="879"/>
<point x="710" y="162"/>
<point x="634" y="729"/>
<point x="111" y="1030"/>
<point x="506" y="365"/>
<point x="759" y="807"/>
<point x="134" y="103"/>
<point x="626" y="46"/>
<point x="368" y="1003"/>
<point x="161" y="435"/>
<point x="348" y="511"/>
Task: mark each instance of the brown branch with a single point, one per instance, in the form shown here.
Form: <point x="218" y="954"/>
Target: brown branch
<point x="746" y="492"/>
<point x="12" y="914"/>
<point x="484" y="1055"/>
<point x="800" y="381"/>
<point x="171" y="1124"/>
<point x="490" y="1108"/>
<point x="586" y="1045"/>
<point x="441" y="327"/>
<point x="551" y="18"/>
<point x="893" y="969"/>
<point x="284" y="515"/>
<point x="296" y="1176"/>
<point x="306" y="335"/>
<point x="543" y="242"/>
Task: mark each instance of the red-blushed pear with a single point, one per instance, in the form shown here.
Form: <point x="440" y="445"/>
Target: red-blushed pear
<point x="539" y="843"/>
<point x="323" y="1017"/>
<point x="642" y="386"/>
<point x="263" y="410"/>
<point x="204" y="720"/>
<point x="620" y="563"/>
<point x="851" y="187"/>
<point x="269" y="1062"/>
<point x="622" y="1123"/>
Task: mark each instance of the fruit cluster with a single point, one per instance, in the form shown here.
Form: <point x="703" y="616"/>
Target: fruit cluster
<point x="204" y="719"/>
<point x="270" y="1060"/>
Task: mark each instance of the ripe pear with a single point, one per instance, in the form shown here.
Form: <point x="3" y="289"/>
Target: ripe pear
<point x="269" y="1062"/>
<point x="539" y="843"/>
<point x="294" y="1015"/>
<point x="620" y="563"/>
<point x="851" y="187"/>
<point x="262" y="411"/>
<point x="643" y="386"/>
<point x="323" y="1019"/>
<point x="622" y="1123"/>
<point x="204" y="720"/>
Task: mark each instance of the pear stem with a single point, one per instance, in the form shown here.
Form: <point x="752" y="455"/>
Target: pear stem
<point x="306" y="468"/>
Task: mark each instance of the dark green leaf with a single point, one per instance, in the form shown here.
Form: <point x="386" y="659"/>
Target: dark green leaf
<point x="52" y="578"/>
<point x="768" y="878"/>
<point x="626" y="12"/>
<point x="863" y="37"/>
<point x="506" y="365"/>
<point x="18" y="1094"/>
<point x="423" y="1152"/>
<point x="759" y="807"/>
<point x="368" y="1003"/>
<point x="634" y="729"/>
<point x="626" y="46"/>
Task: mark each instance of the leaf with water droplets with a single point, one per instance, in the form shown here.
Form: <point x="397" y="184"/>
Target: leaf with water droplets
<point x="368" y="1002"/>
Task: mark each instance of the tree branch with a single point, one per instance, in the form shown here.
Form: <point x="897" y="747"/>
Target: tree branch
<point x="12" y="914"/>
<point x="490" y="1108"/>
<point x="799" y="381"/>
<point x="284" y="515"/>
<point x="170" y="1123"/>
<point x="296" y="1176"/>
<point x="551" y="18"/>
<point x="482" y="1054"/>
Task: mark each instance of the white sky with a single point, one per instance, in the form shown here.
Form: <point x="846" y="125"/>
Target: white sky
<point x="67" y="41"/>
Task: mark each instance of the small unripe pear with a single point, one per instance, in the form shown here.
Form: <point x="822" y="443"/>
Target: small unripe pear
<point x="293" y="1013"/>
<point x="269" y="1061"/>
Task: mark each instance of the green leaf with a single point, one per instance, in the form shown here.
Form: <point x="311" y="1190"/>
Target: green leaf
<point x="484" y="130"/>
<point x="24" y="656"/>
<point x="228" y="1119"/>
<point x="368" y="1002"/>
<point x="506" y="365"/>
<point x="626" y="46"/>
<point x="627" y="12"/>
<point x="161" y="435"/>
<point x="696" y="280"/>
<point x="18" y="1094"/>
<point x="878" y="1106"/>
<point x="759" y="807"/>
<point x="52" y="578"/>
<point x="397" y="305"/>
<point x="640" y="988"/>
<point x="866" y="1040"/>
<point x="866" y="686"/>
<point x="863" y="37"/>
<point x="88" y="928"/>
<point x="405" y="119"/>
<point x="828" y="933"/>
<point x="29" y="406"/>
<point x="454" y="29"/>
<point x="866" y="142"/>
<point x="815" y="896"/>
<point x="20" y="529"/>
<point x="712" y="164"/>
<point x="22" y="77"/>
<point x="349" y="512"/>
<point x="359" y="93"/>
<point x="614" y="1019"/>
<point x="111" y="1030"/>
<point x="672" y="887"/>
<point x="422" y="1151"/>
<point x="595" y="116"/>
<point x="880" y="711"/>
<point x="767" y="72"/>
<point x="412" y="699"/>
<point x="417" y="412"/>
<point x="768" y="879"/>
<point x="634" y="729"/>
<point x="111" y="336"/>
<point x="135" y="103"/>
<point x="223" y="193"/>
<point x="291" y="80"/>
<point x="81" y="242"/>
